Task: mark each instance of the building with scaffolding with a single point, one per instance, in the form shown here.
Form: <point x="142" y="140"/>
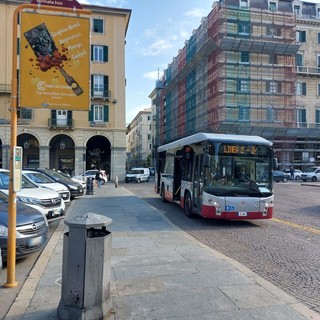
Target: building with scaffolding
<point x="252" y="67"/>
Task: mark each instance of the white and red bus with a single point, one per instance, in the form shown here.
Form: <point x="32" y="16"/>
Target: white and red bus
<point x="218" y="176"/>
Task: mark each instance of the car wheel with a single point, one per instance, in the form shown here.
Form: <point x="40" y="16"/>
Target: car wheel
<point x="188" y="205"/>
<point x="314" y="179"/>
<point x="138" y="180"/>
<point x="297" y="178"/>
<point x="284" y="179"/>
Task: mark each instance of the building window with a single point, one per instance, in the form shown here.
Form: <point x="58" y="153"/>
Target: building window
<point x="244" y="28"/>
<point x="244" y="113"/>
<point x="272" y="31"/>
<point x="301" y="89"/>
<point x="99" y="53"/>
<point x="98" y="25"/>
<point x="273" y="6"/>
<point x="273" y="87"/>
<point x="300" y="36"/>
<point x="317" y="117"/>
<point x="270" y="114"/>
<point x="244" y="3"/>
<point x="273" y="59"/>
<point x="301" y="117"/>
<point x="318" y="37"/>
<point x="297" y="9"/>
<point x="299" y="60"/>
<point x="24" y="113"/>
<point x="100" y="86"/>
<point x="245" y="57"/>
<point x="243" y="85"/>
<point x="318" y="12"/>
<point x="318" y="91"/>
<point x="99" y="113"/>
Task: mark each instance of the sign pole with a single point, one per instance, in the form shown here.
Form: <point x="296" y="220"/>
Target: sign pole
<point x="12" y="208"/>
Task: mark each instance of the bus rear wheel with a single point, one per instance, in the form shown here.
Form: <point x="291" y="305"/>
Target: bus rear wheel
<point x="188" y="205"/>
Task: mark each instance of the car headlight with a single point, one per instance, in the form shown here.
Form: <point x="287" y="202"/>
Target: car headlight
<point x="3" y="231"/>
<point x="28" y="200"/>
<point x="73" y="187"/>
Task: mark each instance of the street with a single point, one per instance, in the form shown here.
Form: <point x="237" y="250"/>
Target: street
<point x="284" y="250"/>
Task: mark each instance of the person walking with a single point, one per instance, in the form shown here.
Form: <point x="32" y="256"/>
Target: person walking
<point x="99" y="177"/>
<point x="292" y="173"/>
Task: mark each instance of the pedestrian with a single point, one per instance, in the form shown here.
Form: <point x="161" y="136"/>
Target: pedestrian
<point x="292" y="173"/>
<point x="99" y="177"/>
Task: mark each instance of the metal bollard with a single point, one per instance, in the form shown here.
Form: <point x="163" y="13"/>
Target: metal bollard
<point x="116" y="182"/>
<point x="86" y="265"/>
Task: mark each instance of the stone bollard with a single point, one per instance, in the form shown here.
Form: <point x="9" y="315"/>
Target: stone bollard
<point x="86" y="265"/>
<point x="116" y="182"/>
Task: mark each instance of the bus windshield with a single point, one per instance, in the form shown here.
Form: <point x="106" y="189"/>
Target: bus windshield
<point x="238" y="170"/>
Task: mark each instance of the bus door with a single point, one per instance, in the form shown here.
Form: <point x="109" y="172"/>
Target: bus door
<point x="177" y="176"/>
<point x="198" y="182"/>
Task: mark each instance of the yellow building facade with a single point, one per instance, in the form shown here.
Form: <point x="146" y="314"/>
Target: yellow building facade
<point x="69" y="140"/>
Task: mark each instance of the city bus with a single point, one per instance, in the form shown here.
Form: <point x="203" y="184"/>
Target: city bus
<point x="218" y="176"/>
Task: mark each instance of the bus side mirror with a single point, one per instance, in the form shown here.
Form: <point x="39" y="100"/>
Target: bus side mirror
<point x="207" y="161"/>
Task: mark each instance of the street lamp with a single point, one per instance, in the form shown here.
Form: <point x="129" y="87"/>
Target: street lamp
<point x="26" y="144"/>
<point x="62" y="144"/>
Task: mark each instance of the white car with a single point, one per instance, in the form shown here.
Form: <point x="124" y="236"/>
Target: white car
<point x="44" y="181"/>
<point x="297" y="173"/>
<point x="312" y="174"/>
<point x="92" y="174"/>
<point x="47" y="201"/>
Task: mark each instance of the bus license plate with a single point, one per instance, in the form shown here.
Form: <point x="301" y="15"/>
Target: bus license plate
<point x="242" y="214"/>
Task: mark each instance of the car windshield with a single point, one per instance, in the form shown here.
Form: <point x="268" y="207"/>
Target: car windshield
<point x="312" y="169"/>
<point x="5" y="179"/>
<point x="135" y="171"/>
<point x="57" y="175"/>
<point x="39" y="177"/>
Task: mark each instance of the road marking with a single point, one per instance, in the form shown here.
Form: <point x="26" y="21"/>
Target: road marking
<point x="297" y="226"/>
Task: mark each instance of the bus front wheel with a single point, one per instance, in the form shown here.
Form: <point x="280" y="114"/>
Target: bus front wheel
<point x="188" y="205"/>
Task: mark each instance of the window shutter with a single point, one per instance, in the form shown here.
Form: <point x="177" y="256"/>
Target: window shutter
<point x="304" y="89"/>
<point x="92" y="85"/>
<point x="106" y="86"/>
<point x="91" y="52"/>
<point x="105" y="53"/>
<point x="303" y="115"/>
<point x="317" y="116"/>
<point x="279" y="87"/>
<point x="91" y="113"/>
<point x="106" y="113"/>
<point x="268" y="86"/>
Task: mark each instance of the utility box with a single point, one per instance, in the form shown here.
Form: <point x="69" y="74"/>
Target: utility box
<point x="86" y="264"/>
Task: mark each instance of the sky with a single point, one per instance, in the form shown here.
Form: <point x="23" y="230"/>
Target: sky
<point x="156" y="31"/>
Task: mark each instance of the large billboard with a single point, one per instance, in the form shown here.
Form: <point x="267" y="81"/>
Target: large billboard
<point x="54" y="62"/>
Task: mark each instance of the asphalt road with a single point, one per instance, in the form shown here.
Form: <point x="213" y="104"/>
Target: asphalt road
<point x="284" y="250"/>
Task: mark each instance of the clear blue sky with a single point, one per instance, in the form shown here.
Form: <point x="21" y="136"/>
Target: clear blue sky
<point x="157" y="30"/>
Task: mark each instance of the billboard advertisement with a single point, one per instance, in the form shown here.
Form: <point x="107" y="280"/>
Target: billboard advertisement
<point x="54" y="62"/>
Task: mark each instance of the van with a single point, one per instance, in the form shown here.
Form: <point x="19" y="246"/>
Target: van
<point x="137" y="175"/>
<point x="312" y="174"/>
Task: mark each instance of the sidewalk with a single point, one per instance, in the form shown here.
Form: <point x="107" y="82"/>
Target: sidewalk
<point x="157" y="272"/>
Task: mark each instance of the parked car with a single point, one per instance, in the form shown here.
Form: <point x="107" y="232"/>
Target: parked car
<point x="31" y="229"/>
<point x="75" y="188"/>
<point x="47" y="201"/>
<point x="83" y="183"/>
<point x="297" y="174"/>
<point x="279" y="176"/>
<point x="137" y="175"/>
<point x="311" y="174"/>
<point x="42" y="180"/>
<point x="92" y="174"/>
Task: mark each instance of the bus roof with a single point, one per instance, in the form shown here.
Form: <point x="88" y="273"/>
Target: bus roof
<point x="214" y="137"/>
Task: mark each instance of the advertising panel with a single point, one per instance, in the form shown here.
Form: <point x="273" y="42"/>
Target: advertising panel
<point x="54" y="62"/>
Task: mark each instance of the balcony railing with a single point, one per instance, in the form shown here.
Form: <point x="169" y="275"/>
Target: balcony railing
<point x="105" y="95"/>
<point x="5" y="88"/>
<point x="56" y="124"/>
<point x="308" y="71"/>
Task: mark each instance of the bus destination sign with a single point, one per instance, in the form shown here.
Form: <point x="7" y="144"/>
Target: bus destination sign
<point x="239" y="149"/>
